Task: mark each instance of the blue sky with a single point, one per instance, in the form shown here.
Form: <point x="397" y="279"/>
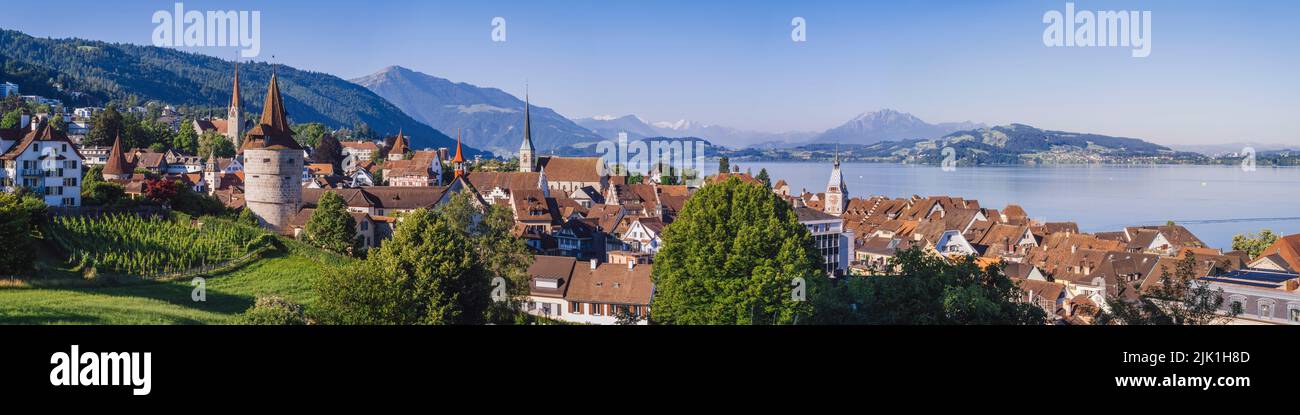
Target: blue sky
<point x="1218" y="72"/>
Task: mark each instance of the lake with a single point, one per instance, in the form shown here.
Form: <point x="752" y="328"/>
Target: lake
<point x="1214" y="202"/>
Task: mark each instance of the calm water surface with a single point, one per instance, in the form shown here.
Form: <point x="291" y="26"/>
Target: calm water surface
<point x="1215" y="202"/>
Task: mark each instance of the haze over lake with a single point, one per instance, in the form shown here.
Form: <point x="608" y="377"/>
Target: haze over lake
<point x="1214" y="202"/>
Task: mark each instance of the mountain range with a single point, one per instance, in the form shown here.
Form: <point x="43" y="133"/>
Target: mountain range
<point x="488" y="118"/>
<point x="100" y="72"/>
<point x="635" y="127"/>
<point x="889" y="125"/>
<point x="998" y="145"/>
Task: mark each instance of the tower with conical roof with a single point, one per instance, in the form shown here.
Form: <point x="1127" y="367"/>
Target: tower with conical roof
<point x="273" y="163"/>
<point x="527" y="154"/>
<point x="233" y="121"/>
<point x="117" y="167"/>
<point x="398" y="152"/>
<point x="458" y="162"/>
<point x="836" y="192"/>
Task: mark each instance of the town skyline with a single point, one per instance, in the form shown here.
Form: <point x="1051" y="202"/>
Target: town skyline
<point x="673" y="61"/>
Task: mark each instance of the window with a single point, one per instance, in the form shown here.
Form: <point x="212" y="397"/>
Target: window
<point x="1295" y="315"/>
<point x="1266" y="310"/>
<point x="67" y="201"/>
<point x="595" y="310"/>
<point x="70" y="182"/>
<point x="1237" y="308"/>
<point x="575" y="308"/>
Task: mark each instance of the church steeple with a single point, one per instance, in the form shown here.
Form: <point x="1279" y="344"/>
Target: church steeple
<point x="836" y="192"/>
<point x="527" y="153"/>
<point x="234" y="123"/>
<point x="458" y="161"/>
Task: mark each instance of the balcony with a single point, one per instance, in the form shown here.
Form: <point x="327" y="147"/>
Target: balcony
<point x="40" y="173"/>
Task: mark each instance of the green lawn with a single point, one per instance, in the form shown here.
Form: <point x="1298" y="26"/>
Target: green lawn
<point x="287" y="274"/>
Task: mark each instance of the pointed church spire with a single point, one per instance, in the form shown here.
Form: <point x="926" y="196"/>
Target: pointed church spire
<point x="527" y="153"/>
<point x="458" y="161"/>
<point x="234" y="96"/>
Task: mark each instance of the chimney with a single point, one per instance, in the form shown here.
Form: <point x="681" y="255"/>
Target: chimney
<point x="1292" y="285"/>
<point x="593" y="263"/>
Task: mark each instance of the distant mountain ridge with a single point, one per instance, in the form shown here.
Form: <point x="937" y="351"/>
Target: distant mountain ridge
<point x="104" y="71"/>
<point x="637" y="128"/>
<point x="488" y="118"/>
<point x="1000" y="145"/>
<point x="889" y="125"/>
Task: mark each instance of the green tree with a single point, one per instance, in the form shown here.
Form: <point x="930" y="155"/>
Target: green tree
<point x="211" y="142"/>
<point x="1177" y="298"/>
<point x="1254" y="244"/>
<point x="105" y="127"/>
<point x="428" y="273"/>
<point x="11" y="119"/>
<point x="196" y="204"/>
<point x="736" y="254"/>
<point x="501" y="253"/>
<point x="328" y="150"/>
<point x="16" y="228"/>
<point x="101" y="193"/>
<point x="309" y="134"/>
<point x="58" y="123"/>
<point x="763" y="177"/>
<point x="187" y="141"/>
<point x="925" y="288"/>
<point x="246" y="217"/>
<point x="274" y="311"/>
<point x="332" y="227"/>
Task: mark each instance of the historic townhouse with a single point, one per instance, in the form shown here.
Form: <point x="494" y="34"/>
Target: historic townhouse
<point x="44" y="161"/>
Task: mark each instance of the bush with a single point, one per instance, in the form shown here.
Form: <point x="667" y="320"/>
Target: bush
<point x="16" y="230"/>
<point x="97" y="193"/>
<point x="274" y="311"/>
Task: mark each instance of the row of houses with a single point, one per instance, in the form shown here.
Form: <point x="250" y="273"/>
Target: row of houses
<point x="1070" y="274"/>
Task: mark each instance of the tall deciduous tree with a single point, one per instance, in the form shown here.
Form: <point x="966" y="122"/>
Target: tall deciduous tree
<point x="105" y="126"/>
<point x="925" y="288"/>
<point x="1177" y="298"/>
<point x="1253" y="244"/>
<point x="763" y="177"/>
<point x="736" y="254"/>
<point x="331" y="226"/>
<point x="187" y="141"/>
<point x="16" y="227"/>
<point x="211" y="142"/>
<point x="310" y="134"/>
<point x="428" y="273"/>
<point x="328" y="150"/>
